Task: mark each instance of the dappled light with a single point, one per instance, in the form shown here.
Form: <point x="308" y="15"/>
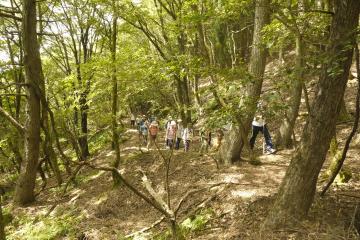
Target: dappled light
<point x="179" y="120"/>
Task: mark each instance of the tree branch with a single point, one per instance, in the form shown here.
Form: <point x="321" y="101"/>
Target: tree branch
<point x="6" y="15"/>
<point x="12" y="120"/>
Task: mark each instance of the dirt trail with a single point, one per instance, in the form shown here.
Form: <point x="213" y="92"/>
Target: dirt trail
<point x="112" y="212"/>
<point x="238" y="203"/>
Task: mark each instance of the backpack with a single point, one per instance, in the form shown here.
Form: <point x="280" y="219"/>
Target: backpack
<point x="153" y="130"/>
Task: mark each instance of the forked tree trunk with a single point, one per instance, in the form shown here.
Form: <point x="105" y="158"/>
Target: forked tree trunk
<point x="298" y="187"/>
<point x="24" y="192"/>
<point x="234" y="141"/>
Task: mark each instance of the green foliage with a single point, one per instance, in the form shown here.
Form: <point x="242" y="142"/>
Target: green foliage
<point x="188" y="227"/>
<point x="197" y="222"/>
<point x="46" y="228"/>
<point x="7" y="216"/>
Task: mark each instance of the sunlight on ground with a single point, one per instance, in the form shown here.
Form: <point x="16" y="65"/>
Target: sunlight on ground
<point x="76" y="194"/>
<point x="110" y="154"/>
<point x="96" y="175"/>
<point x="271" y="158"/>
<point x="243" y="193"/>
<point x="131" y="131"/>
<point x="100" y="200"/>
<point x="233" y="178"/>
<point x="72" y="200"/>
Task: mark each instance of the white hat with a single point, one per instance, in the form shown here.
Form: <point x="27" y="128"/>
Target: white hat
<point x="173" y="123"/>
<point x="154" y="123"/>
<point x="179" y="120"/>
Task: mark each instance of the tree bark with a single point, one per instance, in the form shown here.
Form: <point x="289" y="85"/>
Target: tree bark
<point x="298" y="187"/>
<point x="231" y="149"/>
<point x="343" y="115"/>
<point x="338" y="161"/>
<point x="115" y="135"/>
<point x="24" y="192"/>
<point x="287" y="127"/>
<point x="2" y="223"/>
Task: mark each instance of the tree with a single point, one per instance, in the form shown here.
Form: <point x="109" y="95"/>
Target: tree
<point x="24" y="192"/>
<point x="2" y="223"/>
<point x="115" y="134"/>
<point x="298" y="187"/>
<point x="237" y="137"/>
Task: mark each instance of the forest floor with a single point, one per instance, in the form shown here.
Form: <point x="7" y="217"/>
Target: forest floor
<point x="232" y="202"/>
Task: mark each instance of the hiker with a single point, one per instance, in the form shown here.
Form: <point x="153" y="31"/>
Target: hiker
<point x="219" y="138"/>
<point x="166" y="127"/>
<point x="179" y="132"/>
<point x="132" y="120"/>
<point x="168" y="122"/>
<point x="187" y="136"/>
<point x="153" y="131"/>
<point x="139" y="123"/>
<point x="171" y="135"/>
<point x="144" y="130"/>
<point x="205" y="139"/>
<point x="259" y="125"/>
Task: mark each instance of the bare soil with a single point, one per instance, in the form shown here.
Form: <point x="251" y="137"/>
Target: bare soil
<point x="239" y="200"/>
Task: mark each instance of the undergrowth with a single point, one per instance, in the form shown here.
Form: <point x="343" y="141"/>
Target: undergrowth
<point x="46" y="228"/>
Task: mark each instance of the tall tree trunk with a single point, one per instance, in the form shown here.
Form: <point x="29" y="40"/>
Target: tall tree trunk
<point x="115" y="135"/>
<point x="182" y="85"/>
<point x="234" y="141"/>
<point x="298" y="187"/>
<point x="287" y="127"/>
<point x="47" y="146"/>
<point x="2" y="223"/>
<point x="83" y="139"/>
<point x="24" y="192"/>
<point x="48" y="142"/>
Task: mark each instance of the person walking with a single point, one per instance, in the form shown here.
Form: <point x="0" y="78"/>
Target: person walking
<point x="259" y="125"/>
<point x="187" y="136"/>
<point x="166" y="127"/>
<point x="144" y="132"/>
<point x="132" y="120"/>
<point x="179" y="132"/>
<point x="171" y="135"/>
<point x="153" y="131"/>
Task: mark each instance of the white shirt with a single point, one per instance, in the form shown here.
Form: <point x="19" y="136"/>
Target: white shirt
<point x="187" y="134"/>
<point x="258" y="121"/>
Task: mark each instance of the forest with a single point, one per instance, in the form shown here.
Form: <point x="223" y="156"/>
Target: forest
<point x="179" y="119"/>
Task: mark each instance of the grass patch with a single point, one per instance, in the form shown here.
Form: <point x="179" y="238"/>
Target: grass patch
<point x="46" y="228"/>
<point x="188" y="227"/>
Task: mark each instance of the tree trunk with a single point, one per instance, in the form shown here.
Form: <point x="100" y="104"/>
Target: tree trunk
<point x="343" y="115"/>
<point x="115" y="135"/>
<point x="47" y="144"/>
<point x="2" y="223"/>
<point x="24" y="192"/>
<point x="298" y="187"/>
<point x="231" y="149"/>
<point x="287" y="127"/>
<point x="83" y="139"/>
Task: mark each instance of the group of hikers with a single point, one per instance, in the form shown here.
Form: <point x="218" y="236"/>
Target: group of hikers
<point x="177" y="135"/>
